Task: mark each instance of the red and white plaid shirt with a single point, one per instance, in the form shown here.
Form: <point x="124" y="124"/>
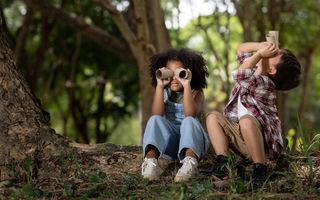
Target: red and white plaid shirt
<point x="257" y="94"/>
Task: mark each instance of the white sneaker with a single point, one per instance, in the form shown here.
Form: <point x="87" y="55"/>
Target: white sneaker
<point x="150" y="169"/>
<point x="188" y="169"/>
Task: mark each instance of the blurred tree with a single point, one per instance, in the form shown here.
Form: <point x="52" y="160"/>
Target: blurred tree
<point x="67" y="72"/>
<point x="90" y="90"/>
<point x="302" y="25"/>
<point x="218" y="26"/>
<point x="216" y="35"/>
<point x="135" y="20"/>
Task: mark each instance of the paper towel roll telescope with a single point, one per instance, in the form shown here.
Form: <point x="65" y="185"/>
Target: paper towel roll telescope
<point x="181" y="73"/>
<point x="273" y="36"/>
<point x="164" y="73"/>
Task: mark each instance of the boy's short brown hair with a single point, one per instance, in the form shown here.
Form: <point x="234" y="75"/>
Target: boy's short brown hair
<point x="288" y="71"/>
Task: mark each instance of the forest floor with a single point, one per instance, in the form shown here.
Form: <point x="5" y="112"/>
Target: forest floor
<point x="108" y="171"/>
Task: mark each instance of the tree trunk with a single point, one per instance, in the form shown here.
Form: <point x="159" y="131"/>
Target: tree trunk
<point x="37" y="163"/>
<point x="141" y="45"/>
<point x="282" y="106"/>
<point x="245" y="12"/>
<point x="307" y="64"/>
<point x="33" y="155"/>
<point x="159" y="34"/>
<point x="24" y="126"/>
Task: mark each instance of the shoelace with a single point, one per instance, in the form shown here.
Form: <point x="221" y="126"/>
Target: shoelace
<point x="146" y="164"/>
<point x="187" y="164"/>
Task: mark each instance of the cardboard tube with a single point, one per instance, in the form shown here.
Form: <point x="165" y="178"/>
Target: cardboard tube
<point x="273" y="36"/>
<point x="181" y="73"/>
<point x="164" y="73"/>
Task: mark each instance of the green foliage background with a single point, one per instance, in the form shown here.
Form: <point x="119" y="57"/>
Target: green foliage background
<point x="75" y="67"/>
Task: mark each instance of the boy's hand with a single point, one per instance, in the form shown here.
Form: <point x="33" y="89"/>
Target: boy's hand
<point x="267" y="49"/>
<point x="263" y="44"/>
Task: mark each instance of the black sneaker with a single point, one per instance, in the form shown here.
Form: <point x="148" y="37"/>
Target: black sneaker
<point x="259" y="175"/>
<point x="219" y="168"/>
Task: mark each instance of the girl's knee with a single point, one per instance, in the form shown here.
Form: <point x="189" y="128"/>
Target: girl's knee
<point x="188" y="119"/>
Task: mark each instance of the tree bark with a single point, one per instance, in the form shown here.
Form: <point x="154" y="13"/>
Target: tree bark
<point x="245" y="11"/>
<point x="159" y="33"/>
<point x="24" y="126"/>
<point x="31" y="152"/>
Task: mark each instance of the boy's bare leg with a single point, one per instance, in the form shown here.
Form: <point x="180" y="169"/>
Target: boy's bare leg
<point x="253" y="139"/>
<point x="216" y="134"/>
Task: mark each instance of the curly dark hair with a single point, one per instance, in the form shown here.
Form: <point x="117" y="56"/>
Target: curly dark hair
<point x="190" y="59"/>
<point x="288" y="71"/>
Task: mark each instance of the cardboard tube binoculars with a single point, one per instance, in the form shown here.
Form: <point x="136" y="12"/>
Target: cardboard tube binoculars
<point x="181" y="73"/>
<point x="273" y="36"/>
<point x="164" y="73"/>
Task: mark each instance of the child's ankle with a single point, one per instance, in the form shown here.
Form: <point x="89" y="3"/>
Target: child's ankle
<point x="152" y="153"/>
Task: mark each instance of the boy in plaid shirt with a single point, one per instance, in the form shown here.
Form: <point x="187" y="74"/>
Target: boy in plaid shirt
<point x="250" y="124"/>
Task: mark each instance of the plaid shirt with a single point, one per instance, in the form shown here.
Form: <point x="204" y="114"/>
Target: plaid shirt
<point x="257" y="94"/>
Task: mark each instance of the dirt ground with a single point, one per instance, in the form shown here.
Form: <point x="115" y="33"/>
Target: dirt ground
<point x="115" y="161"/>
<point x="108" y="171"/>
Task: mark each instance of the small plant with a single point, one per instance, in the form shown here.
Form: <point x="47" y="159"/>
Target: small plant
<point x="27" y="168"/>
<point x="96" y="176"/>
<point x="305" y="151"/>
<point x="237" y="185"/>
<point x="28" y="191"/>
<point x="12" y="166"/>
<point x="69" y="189"/>
<point x="315" y="141"/>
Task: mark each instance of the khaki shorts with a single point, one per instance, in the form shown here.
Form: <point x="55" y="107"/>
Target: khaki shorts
<point x="232" y="131"/>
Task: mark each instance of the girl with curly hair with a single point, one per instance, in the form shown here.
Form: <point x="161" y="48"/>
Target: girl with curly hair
<point x="174" y="130"/>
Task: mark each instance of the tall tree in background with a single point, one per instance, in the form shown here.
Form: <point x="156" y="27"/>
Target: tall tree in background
<point x="56" y="59"/>
<point x="303" y="25"/>
<point x="143" y="34"/>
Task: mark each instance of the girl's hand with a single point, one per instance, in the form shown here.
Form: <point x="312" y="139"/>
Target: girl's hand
<point x="163" y="82"/>
<point x="267" y="50"/>
<point x="186" y="81"/>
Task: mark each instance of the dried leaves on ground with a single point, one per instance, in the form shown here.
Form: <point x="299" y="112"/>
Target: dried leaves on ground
<point x="108" y="171"/>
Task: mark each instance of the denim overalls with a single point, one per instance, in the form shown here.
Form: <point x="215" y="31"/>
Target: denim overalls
<point x="172" y="133"/>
